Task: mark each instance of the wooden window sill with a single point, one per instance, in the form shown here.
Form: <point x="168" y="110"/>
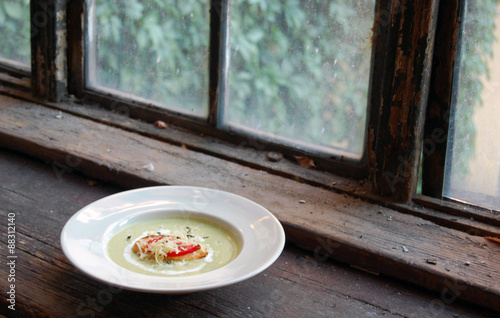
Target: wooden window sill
<point x="324" y="220"/>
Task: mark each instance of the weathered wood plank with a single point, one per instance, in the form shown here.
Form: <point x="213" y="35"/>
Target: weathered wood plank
<point x="253" y="154"/>
<point x="346" y="229"/>
<point x="297" y="285"/>
<point x="54" y="291"/>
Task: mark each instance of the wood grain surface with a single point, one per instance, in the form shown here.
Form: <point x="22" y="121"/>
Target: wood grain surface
<point x="298" y="284"/>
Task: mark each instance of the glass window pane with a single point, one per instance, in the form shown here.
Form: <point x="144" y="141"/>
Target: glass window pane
<point x="473" y="161"/>
<point x="299" y="70"/>
<point x="156" y="50"/>
<point x="15" y="30"/>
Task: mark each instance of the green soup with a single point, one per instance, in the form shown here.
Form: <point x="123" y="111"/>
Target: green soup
<point x="221" y="244"/>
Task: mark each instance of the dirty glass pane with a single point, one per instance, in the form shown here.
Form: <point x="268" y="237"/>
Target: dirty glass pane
<point x="155" y="50"/>
<point x="15" y="31"/>
<point x="473" y="161"/>
<point x="299" y="70"/>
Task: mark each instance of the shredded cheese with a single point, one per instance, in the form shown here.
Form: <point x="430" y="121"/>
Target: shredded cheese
<point x="159" y="248"/>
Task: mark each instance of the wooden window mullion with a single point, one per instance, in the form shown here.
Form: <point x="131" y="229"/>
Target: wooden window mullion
<point x="48" y="48"/>
<point x="219" y="63"/>
<point x="76" y="48"/>
<point x="440" y="99"/>
<point x="397" y="116"/>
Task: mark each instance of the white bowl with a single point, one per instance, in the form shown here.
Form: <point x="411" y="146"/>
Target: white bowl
<point x="85" y="236"/>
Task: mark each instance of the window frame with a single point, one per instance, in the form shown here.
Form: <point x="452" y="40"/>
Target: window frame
<point x="218" y="65"/>
<point x="427" y="35"/>
<point x="439" y="113"/>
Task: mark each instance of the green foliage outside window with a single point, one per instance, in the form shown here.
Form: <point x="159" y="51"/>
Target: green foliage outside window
<point x="156" y="49"/>
<point x="300" y="69"/>
<point x="298" y="63"/>
<point x="283" y="52"/>
<point x="15" y="30"/>
<point x="475" y="53"/>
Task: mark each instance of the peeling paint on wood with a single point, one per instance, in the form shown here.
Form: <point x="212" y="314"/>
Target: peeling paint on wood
<point x="397" y="122"/>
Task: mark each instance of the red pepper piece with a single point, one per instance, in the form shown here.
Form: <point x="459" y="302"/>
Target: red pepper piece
<point x="183" y="249"/>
